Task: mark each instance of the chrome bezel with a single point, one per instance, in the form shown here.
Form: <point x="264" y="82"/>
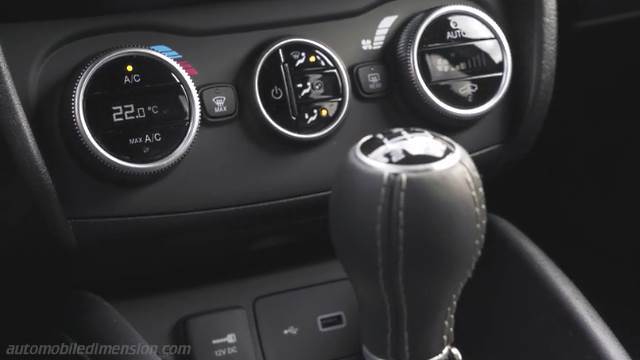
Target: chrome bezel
<point x="442" y="164"/>
<point x="506" y="52"/>
<point x="343" y="77"/>
<point x="448" y="353"/>
<point x="102" y="154"/>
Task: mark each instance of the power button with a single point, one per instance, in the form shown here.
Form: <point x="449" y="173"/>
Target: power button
<point x="272" y="89"/>
<point x="277" y="93"/>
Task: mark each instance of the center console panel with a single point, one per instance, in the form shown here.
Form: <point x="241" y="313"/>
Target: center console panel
<point x="240" y="158"/>
<point x="517" y="305"/>
<point x="266" y="98"/>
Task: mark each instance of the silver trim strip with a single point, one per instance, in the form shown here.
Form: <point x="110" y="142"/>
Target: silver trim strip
<point x="343" y="75"/>
<point x="104" y="155"/>
<point x="506" y="51"/>
<point x="368" y="355"/>
<point x="448" y="353"/>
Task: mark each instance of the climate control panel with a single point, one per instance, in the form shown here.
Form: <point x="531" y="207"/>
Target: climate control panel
<point x="204" y="116"/>
<point x="136" y="111"/>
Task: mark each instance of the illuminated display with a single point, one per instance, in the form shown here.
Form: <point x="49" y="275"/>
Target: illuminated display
<point x="131" y="112"/>
<point x="136" y="108"/>
<point x="462" y="61"/>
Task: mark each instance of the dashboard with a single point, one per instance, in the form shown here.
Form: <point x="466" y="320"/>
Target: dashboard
<point x="184" y="152"/>
<point x="151" y="117"/>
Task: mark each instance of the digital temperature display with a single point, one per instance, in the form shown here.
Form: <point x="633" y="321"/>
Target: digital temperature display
<point x="131" y="112"/>
<point x="153" y="105"/>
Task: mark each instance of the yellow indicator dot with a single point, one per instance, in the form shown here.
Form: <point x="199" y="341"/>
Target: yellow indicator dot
<point x="324" y="112"/>
<point x="313" y="59"/>
<point x="129" y="68"/>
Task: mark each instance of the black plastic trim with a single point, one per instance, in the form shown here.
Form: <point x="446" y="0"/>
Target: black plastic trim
<point x="534" y="68"/>
<point x="557" y="322"/>
<point x="28" y="159"/>
<point x="583" y="322"/>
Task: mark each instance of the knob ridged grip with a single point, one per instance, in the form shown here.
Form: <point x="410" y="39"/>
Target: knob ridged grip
<point x="454" y="64"/>
<point x="133" y="113"/>
<point x="409" y="78"/>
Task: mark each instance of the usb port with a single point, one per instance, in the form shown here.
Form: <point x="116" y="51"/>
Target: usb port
<point x="333" y="321"/>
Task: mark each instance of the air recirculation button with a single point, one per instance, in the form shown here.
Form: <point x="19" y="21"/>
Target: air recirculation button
<point x="456" y="62"/>
<point x="301" y="89"/>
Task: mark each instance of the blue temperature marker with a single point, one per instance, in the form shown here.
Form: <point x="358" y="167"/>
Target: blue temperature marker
<point x="166" y="51"/>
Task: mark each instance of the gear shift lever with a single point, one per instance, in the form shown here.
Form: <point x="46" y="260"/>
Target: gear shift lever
<point x="408" y="223"/>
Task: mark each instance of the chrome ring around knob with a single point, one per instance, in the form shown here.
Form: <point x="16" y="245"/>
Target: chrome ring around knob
<point x="158" y="114"/>
<point x="456" y="62"/>
<point x="411" y="149"/>
<point x="282" y="86"/>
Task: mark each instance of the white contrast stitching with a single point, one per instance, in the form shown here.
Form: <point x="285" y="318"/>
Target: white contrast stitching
<point x="477" y="194"/>
<point x="403" y="298"/>
<point x="385" y="296"/>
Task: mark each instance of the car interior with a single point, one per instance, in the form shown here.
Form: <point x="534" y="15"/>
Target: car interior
<point x="318" y="180"/>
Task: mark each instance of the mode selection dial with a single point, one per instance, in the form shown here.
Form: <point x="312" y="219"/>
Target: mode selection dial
<point x="456" y="61"/>
<point x="301" y="88"/>
<point x="134" y="112"/>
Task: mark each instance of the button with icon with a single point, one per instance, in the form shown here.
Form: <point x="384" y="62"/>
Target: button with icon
<point x="455" y="29"/>
<point x="276" y="92"/>
<point x="314" y="116"/>
<point x="317" y="85"/>
<point x="219" y="101"/>
<point x="372" y="79"/>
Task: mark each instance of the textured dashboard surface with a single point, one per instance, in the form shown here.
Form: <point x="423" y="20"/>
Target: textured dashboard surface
<point x="243" y="162"/>
<point x="235" y="163"/>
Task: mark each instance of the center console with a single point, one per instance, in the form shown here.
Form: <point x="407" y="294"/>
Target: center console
<point x="518" y="305"/>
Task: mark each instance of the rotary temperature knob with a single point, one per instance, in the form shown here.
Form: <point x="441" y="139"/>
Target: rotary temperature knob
<point x="301" y="89"/>
<point x="134" y="112"/>
<point x="455" y="61"/>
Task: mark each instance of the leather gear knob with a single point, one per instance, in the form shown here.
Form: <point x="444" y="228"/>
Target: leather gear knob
<point x="408" y="222"/>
